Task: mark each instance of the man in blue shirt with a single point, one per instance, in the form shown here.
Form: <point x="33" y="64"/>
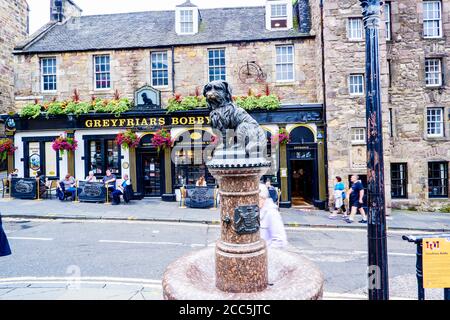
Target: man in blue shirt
<point x="355" y="196"/>
<point x="121" y="190"/>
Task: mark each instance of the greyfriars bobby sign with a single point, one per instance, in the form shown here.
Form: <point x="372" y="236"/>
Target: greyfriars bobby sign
<point x="146" y="98"/>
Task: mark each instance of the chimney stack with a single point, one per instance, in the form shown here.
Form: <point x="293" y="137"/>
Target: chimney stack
<point x="61" y="10"/>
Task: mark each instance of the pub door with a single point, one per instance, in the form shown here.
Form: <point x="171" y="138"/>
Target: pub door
<point x="149" y="173"/>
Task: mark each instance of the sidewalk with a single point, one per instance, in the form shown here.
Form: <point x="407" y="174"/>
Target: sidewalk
<point x="157" y="210"/>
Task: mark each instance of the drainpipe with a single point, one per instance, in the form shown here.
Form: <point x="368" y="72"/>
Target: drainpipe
<point x="324" y="86"/>
<point x="173" y="69"/>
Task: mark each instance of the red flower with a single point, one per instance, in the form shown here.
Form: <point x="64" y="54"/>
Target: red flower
<point x="162" y="140"/>
<point x="128" y="139"/>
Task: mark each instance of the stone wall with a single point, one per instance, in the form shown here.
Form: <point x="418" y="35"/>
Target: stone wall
<point x="344" y="111"/>
<point x="13" y="22"/>
<point x="409" y="99"/>
<point x="130" y="69"/>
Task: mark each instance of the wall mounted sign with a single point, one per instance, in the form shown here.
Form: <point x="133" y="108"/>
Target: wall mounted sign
<point x="146" y="98"/>
<point x="35" y="162"/>
<point x="144" y="122"/>
<point x="23" y="188"/>
<point x="436" y="262"/>
<point x="283" y="172"/>
<point x="246" y="219"/>
<point x="10" y="125"/>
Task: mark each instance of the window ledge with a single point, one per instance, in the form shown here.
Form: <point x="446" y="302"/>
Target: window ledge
<point x="358" y="143"/>
<point x="355" y="40"/>
<point x="286" y="83"/>
<point x="437" y="138"/>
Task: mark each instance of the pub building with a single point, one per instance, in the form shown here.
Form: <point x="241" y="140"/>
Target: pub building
<point x="277" y="51"/>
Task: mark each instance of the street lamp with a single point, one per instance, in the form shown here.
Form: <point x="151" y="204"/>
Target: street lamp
<point x="376" y="233"/>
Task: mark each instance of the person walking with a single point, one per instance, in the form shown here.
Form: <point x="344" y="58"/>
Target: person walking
<point x="272" y="191"/>
<point x="339" y="197"/>
<point x="356" y="196"/>
<point x="5" y="250"/>
<point x="272" y="227"/>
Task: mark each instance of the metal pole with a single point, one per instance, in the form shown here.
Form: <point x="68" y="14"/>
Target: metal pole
<point x="419" y="271"/>
<point x="377" y="244"/>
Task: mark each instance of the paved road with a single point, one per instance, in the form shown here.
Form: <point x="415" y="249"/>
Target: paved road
<point x="112" y="252"/>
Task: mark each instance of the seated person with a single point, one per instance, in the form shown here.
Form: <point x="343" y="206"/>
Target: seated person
<point x="91" y="177"/>
<point x="13" y="174"/>
<point x="68" y="184"/>
<point x="109" y="181"/>
<point x="201" y="182"/>
<point x="120" y="190"/>
<point x="42" y="183"/>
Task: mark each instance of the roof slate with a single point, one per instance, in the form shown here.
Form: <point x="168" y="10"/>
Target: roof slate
<point x="154" y="29"/>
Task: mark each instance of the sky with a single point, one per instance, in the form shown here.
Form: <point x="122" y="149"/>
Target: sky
<point x="40" y="9"/>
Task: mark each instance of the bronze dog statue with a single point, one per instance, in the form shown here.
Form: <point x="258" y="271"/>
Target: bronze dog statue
<point x="226" y="116"/>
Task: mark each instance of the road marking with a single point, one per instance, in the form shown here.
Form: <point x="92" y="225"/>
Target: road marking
<point x="143" y="242"/>
<point x="354" y="252"/>
<point x="28" y="238"/>
<point x="96" y="279"/>
<point x="391" y="253"/>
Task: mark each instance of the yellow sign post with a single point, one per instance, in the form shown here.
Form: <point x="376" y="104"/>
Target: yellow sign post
<point x="436" y="262"/>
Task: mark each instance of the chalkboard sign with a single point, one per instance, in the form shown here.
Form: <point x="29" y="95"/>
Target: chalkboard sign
<point x="92" y="192"/>
<point x="23" y="188"/>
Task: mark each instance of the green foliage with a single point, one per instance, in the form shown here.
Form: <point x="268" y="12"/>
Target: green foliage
<point x="116" y="107"/>
<point x="186" y="103"/>
<point x="445" y="209"/>
<point x="55" y="108"/>
<point x="31" y="110"/>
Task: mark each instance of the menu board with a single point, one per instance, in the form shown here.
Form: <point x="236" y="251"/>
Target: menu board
<point x="23" y="188"/>
<point x="92" y="192"/>
<point x="436" y="262"/>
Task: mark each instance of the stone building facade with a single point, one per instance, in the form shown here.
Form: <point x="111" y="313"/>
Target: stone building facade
<point x="14" y="28"/>
<point x="414" y="70"/>
<point x="329" y="51"/>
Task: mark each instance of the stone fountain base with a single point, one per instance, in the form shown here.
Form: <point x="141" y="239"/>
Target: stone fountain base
<point x="291" y="277"/>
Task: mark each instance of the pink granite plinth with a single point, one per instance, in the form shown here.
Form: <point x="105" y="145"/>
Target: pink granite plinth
<point x="290" y="277"/>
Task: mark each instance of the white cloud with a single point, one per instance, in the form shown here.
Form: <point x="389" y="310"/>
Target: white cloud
<point x="40" y="9"/>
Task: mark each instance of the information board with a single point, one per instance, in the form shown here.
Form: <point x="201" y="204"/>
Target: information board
<point x="436" y="262"/>
<point x="23" y="188"/>
<point x="92" y="192"/>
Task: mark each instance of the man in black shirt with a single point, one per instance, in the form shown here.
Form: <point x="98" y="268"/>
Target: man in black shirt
<point x="355" y="196"/>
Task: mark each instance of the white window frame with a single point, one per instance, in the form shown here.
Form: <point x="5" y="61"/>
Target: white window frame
<point x="159" y="54"/>
<point x="351" y="32"/>
<point x="217" y="66"/>
<point x="41" y="64"/>
<point x="434" y="72"/>
<point x="353" y="85"/>
<point x="289" y="14"/>
<point x="195" y="17"/>
<point x="433" y="112"/>
<point x="101" y="72"/>
<point x="285" y="63"/>
<point x="358" y="132"/>
<point x="387" y="20"/>
<point x="425" y="20"/>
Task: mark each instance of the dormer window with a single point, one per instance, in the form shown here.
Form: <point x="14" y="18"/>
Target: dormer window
<point x="278" y="15"/>
<point x="186" y="21"/>
<point x="186" y="18"/>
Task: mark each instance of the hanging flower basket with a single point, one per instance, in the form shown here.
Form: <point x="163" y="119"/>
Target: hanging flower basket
<point x="162" y="140"/>
<point x="63" y="143"/>
<point x="6" y="148"/>
<point x="282" y="137"/>
<point x="128" y="139"/>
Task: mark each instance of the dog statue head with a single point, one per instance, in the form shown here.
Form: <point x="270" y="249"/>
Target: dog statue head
<point x="217" y="93"/>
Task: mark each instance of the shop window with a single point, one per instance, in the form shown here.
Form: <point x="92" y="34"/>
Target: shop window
<point x="399" y="180"/>
<point x="272" y="154"/>
<point x="438" y="179"/>
<point x="40" y="156"/>
<point x="103" y="154"/>
<point x="192" y="150"/>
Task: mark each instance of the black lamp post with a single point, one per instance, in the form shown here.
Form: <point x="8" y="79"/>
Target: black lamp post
<point x="377" y="244"/>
